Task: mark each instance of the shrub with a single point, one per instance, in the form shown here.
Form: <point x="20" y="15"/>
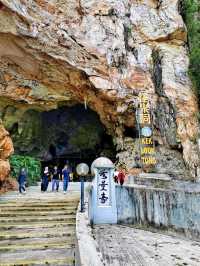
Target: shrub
<point x="191" y="15"/>
<point x="32" y="165"/>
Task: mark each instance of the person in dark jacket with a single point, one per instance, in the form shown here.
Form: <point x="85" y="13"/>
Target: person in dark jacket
<point x="65" y="177"/>
<point x="55" y="178"/>
<point x="45" y="179"/>
<point x="21" y="180"/>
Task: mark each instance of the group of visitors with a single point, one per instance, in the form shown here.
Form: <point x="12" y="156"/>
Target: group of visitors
<point x="54" y="176"/>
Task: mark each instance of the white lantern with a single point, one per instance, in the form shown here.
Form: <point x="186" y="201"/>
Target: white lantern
<point x="82" y="169"/>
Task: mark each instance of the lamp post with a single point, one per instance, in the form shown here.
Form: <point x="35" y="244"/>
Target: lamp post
<point x="82" y="170"/>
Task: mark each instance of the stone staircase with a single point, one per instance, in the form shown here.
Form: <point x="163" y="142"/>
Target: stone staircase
<point x="38" y="231"/>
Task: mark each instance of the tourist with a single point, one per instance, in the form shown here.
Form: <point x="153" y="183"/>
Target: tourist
<point x="66" y="172"/>
<point x="121" y="177"/>
<point x="45" y="179"/>
<point x="55" y="178"/>
<point x="116" y="176"/>
<point x="22" y="180"/>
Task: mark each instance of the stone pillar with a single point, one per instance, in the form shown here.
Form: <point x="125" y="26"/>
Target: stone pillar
<point x="103" y="201"/>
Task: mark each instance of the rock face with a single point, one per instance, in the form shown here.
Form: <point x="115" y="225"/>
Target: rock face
<point x="104" y="53"/>
<point x="6" y="149"/>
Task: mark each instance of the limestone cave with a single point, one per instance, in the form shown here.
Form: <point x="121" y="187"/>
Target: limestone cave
<point x="68" y="133"/>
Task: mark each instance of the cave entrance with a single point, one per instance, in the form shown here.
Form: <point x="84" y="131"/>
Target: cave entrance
<point x="72" y="134"/>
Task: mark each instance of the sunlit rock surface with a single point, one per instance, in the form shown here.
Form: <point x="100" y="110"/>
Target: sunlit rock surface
<point x="6" y="149"/>
<point x="103" y="54"/>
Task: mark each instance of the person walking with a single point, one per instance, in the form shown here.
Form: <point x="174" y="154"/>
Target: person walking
<point x="45" y="179"/>
<point x="21" y="180"/>
<point x="55" y="179"/>
<point x="66" y="177"/>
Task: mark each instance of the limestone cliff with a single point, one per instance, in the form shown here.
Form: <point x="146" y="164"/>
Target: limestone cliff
<point x="104" y="53"/>
<point x="6" y="149"/>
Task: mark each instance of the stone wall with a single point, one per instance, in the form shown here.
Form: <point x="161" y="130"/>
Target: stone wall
<point x="167" y="209"/>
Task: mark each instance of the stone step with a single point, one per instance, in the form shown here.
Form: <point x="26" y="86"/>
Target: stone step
<point x="152" y="183"/>
<point x="37" y="194"/>
<point x="34" y="204"/>
<point x="153" y="180"/>
<point x="155" y="176"/>
<point x="35" y="230"/>
<point x="24" y="208"/>
<point x="38" y="225"/>
<point x="52" y="262"/>
<point x="35" y="241"/>
<point x="39" y="201"/>
<point x="48" y="233"/>
<point x="35" y="198"/>
<point x="37" y="204"/>
<point x="38" y="213"/>
<point x="38" y="257"/>
<point x="59" y="228"/>
<point x="37" y="246"/>
<point x="27" y="219"/>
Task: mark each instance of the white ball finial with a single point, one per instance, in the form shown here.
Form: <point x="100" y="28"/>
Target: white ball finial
<point x="101" y="162"/>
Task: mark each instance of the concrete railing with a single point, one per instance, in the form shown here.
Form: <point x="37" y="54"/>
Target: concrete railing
<point x="87" y="253"/>
<point x="179" y="210"/>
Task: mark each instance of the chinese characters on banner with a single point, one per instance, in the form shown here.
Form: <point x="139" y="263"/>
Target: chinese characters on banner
<point x="147" y="149"/>
<point x="103" y="183"/>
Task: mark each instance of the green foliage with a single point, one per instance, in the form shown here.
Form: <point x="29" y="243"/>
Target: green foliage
<point x="191" y="13"/>
<point x="32" y="165"/>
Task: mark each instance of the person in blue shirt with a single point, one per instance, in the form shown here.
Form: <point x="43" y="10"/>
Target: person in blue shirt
<point x="21" y="180"/>
<point x="66" y="177"/>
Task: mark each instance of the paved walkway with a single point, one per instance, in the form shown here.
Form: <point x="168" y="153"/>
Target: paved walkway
<point x="38" y="228"/>
<point x="126" y="246"/>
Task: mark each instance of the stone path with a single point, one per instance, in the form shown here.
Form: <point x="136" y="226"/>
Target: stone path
<point x="38" y="228"/>
<point x="126" y="246"/>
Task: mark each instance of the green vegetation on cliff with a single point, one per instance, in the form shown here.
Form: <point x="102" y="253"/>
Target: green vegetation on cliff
<point x="191" y="13"/>
<point x="32" y="165"/>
